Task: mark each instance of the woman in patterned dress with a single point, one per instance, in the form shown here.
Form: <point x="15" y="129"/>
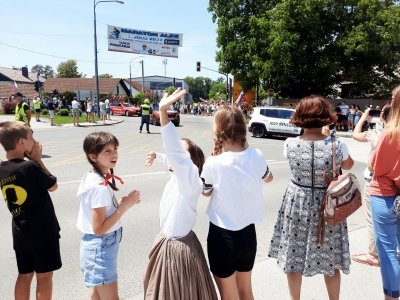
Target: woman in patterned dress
<point x="294" y="242"/>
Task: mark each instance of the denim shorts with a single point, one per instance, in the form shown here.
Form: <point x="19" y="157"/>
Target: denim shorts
<point x="98" y="258"/>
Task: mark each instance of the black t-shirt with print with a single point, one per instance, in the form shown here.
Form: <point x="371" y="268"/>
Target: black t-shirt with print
<point x="24" y="187"/>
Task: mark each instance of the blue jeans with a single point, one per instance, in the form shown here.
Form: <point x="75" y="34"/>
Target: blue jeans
<point x="387" y="236"/>
<point x="145" y="120"/>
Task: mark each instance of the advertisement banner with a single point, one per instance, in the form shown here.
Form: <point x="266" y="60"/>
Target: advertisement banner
<point x="143" y="42"/>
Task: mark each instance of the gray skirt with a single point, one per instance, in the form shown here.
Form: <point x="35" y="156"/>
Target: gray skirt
<point x="178" y="270"/>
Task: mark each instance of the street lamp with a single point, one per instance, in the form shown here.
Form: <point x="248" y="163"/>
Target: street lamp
<point x="96" y="69"/>
<point x="130" y="74"/>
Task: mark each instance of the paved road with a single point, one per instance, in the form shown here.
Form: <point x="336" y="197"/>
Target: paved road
<point x="64" y="156"/>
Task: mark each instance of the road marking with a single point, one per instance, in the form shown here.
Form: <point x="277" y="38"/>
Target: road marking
<point x="270" y="162"/>
<point x="122" y="176"/>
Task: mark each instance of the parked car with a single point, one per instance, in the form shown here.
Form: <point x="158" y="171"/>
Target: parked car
<point x="173" y="115"/>
<point x="272" y="120"/>
<point x="124" y="109"/>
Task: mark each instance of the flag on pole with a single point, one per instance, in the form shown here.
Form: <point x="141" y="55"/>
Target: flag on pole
<point x="15" y="88"/>
<point x="242" y="96"/>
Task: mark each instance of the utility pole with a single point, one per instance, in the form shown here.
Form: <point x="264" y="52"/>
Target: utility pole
<point x="142" y="77"/>
<point x="164" y="62"/>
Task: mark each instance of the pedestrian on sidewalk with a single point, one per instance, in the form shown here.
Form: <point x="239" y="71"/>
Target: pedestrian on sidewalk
<point x="384" y="187"/>
<point x="233" y="177"/>
<point x="371" y="258"/>
<point x="89" y="110"/>
<point x="26" y="185"/>
<point x="76" y="112"/>
<point x="51" y="106"/>
<point x="99" y="216"/>
<point x="102" y="107"/>
<point x="107" y="102"/>
<point x="177" y="250"/>
<point x="294" y="241"/>
<point x="37" y="106"/>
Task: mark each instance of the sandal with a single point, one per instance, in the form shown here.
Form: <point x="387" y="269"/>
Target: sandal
<point x="366" y="259"/>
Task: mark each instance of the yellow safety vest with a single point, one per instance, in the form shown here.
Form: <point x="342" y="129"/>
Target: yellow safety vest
<point x="146" y="109"/>
<point x="36" y="104"/>
<point x="20" y="114"/>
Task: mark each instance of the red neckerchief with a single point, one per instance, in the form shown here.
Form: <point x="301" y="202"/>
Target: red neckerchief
<point x="110" y="176"/>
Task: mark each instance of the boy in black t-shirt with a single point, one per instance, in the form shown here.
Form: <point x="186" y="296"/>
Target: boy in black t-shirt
<point x="25" y="185"/>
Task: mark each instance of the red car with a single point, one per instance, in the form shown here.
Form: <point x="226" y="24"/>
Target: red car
<point x="124" y="109"/>
<point x="172" y="114"/>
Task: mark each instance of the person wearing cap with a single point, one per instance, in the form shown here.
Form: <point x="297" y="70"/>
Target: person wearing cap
<point x="145" y="110"/>
<point x="22" y="109"/>
<point x="37" y="106"/>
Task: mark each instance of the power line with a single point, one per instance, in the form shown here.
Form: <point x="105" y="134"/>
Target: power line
<point x="56" y="56"/>
<point x="44" y="34"/>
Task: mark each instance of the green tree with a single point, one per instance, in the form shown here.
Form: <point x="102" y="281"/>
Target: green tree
<point x="199" y="87"/>
<point x="139" y="97"/>
<point x="170" y="90"/>
<point x="68" y="69"/>
<point x="218" y="91"/>
<point x="105" y="75"/>
<point x="37" y="69"/>
<point x="45" y="71"/>
<point x="300" y="47"/>
<point x="48" y="72"/>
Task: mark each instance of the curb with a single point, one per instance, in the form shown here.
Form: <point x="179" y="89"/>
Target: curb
<point x="99" y="124"/>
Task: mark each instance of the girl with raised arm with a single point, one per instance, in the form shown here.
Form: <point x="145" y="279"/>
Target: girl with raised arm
<point x="177" y="267"/>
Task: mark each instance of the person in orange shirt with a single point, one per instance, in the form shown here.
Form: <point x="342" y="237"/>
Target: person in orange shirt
<point x="385" y="165"/>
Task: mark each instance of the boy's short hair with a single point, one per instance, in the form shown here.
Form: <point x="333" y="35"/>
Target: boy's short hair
<point x="11" y="132"/>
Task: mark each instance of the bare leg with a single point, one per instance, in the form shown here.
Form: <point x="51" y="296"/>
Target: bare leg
<point x="94" y="295"/>
<point x="333" y="285"/>
<point x="294" y="282"/>
<point x="227" y="287"/>
<point x="390" y="298"/>
<point x="23" y="286"/>
<point x="44" y="287"/>
<point x="108" y="292"/>
<point x="243" y="281"/>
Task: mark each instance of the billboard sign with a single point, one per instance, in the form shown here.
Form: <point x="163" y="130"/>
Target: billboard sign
<point x="143" y="42"/>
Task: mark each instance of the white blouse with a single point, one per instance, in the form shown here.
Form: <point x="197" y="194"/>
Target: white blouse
<point x="182" y="191"/>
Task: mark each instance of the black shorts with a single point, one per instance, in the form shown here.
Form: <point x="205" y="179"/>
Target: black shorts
<point x="231" y="251"/>
<point x="42" y="259"/>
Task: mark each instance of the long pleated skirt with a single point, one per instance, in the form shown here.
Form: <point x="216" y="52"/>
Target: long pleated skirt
<point x="178" y="270"/>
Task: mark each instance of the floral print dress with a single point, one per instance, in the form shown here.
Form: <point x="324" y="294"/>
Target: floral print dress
<point x="294" y="241"/>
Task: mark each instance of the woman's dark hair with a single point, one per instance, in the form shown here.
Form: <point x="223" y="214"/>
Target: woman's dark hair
<point x="196" y="154"/>
<point x="229" y="124"/>
<point x="313" y="112"/>
<point x="94" y="143"/>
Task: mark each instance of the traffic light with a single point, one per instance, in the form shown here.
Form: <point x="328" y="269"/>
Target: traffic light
<point x="38" y="85"/>
<point x="198" y="66"/>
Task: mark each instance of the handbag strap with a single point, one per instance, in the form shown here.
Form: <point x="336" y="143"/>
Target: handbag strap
<point x="333" y="155"/>
<point x="321" y="221"/>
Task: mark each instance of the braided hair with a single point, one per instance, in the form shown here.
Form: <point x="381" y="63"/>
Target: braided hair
<point x="229" y="124"/>
<point x="196" y="154"/>
<point x="94" y="143"/>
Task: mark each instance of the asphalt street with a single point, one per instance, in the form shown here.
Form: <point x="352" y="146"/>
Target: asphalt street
<point x="63" y="155"/>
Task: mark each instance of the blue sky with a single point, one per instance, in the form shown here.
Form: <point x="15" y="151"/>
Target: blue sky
<point x="61" y="30"/>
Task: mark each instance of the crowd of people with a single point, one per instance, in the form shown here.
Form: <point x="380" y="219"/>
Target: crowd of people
<point x="177" y="267"/>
